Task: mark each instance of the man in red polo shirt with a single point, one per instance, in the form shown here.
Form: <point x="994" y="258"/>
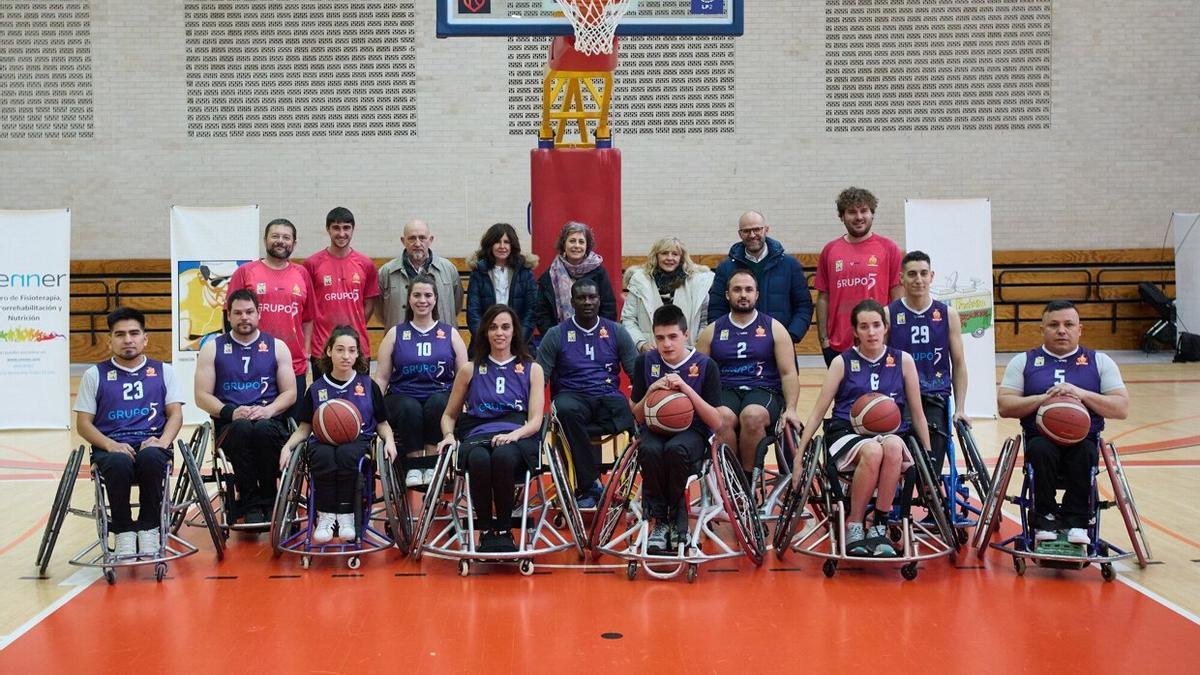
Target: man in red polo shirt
<point x="285" y="296"/>
<point x="346" y="285"/>
<point x="855" y="266"/>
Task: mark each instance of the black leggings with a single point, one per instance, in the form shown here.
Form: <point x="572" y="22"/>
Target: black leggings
<point x="493" y="474"/>
<point x="335" y="474"/>
<point x="253" y="448"/>
<point x="416" y="424"/>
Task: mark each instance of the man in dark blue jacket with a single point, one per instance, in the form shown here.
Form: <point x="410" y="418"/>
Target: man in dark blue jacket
<point x="783" y="290"/>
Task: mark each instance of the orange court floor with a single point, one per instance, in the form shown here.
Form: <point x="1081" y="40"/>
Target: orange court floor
<point x="253" y="612"/>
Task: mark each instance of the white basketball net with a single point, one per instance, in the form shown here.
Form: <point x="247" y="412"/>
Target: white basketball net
<point x="595" y="23"/>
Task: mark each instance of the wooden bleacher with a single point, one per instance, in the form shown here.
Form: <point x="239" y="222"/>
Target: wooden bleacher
<point x="1103" y="283"/>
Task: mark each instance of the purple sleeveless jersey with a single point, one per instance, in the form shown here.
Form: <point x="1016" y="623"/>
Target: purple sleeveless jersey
<point x="885" y="376"/>
<point x="926" y="338"/>
<point x="1044" y="370"/>
<point x="356" y="391"/>
<point x="131" y="406"/>
<point x="692" y="371"/>
<point x="496" y="390"/>
<point x="422" y="363"/>
<point x="245" y="373"/>
<point x="588" y="362"/>
<point x="746" y="356"/>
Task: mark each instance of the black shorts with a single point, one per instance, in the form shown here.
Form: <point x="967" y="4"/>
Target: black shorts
<point x="737" y="398"/>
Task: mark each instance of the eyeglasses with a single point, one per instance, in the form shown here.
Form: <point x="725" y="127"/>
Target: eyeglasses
<point x="751" y="231"/>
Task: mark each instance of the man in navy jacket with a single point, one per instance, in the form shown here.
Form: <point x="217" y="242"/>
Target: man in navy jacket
<point x="783" y="290"/>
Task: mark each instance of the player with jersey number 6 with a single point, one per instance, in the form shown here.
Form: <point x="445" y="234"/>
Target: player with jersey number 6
<point x="877" y="456"/>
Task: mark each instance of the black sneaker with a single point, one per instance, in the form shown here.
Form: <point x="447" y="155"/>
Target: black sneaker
<point x="487" y="542"/>
<point x="504" y="542"/>
<point x="256" y="517"/>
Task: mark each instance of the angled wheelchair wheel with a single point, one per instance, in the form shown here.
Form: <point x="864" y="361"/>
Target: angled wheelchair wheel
<point x="58" y="511"/>
<point x="192" y="469"/>
<point x="563" y="492"/>
<point x="979" y="476"/>
<point x="796" y="499"/>
<point x="989" y="517"/>
<point x="287" y="501"/>
<point x="395" y="503"/>
<point x="933" y="496"/>
<point x="198" y="444"/>
<point x="1123" y="495"/>
<point x="618" y="494"/>
<point x="441" y="474"/>
<point x="738" y="503"/>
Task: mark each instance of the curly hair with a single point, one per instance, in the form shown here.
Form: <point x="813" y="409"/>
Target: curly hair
<point x="853" y="196"/>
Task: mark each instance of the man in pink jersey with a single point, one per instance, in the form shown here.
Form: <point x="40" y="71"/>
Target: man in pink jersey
<point x="285" y="295"/>
<point x="345" y="282"/>
<point x="855" y="266"/>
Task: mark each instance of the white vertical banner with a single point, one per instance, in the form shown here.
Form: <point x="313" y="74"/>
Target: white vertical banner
<point x="1187" y="271"/>
<point x="35" y="319"/>
<point x="957" y="235"/>
<point x="207" y="245"/>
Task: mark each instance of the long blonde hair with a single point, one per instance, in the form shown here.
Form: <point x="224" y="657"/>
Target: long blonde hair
<point x="666" y="243"/>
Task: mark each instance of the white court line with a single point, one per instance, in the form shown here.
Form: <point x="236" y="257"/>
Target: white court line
<point x="1121" y="566"/>
<point x="80" y="580"/>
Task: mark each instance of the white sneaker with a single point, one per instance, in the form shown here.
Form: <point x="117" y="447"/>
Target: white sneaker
<point x="413" y="478"/>
<point x="1045" y="535"/>
<point x="427" y="477"/>
<point x="1078" y="535"/>
<point x="149" y="546"/>
<point x="345" y="523"/>
<point x="323" y="531"/>
<point x="126" y="544"/>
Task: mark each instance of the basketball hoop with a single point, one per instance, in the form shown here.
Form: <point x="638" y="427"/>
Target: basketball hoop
<point x="595" y="23"/>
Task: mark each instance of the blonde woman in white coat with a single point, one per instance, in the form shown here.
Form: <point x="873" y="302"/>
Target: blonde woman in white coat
<point x="668" y="276"/>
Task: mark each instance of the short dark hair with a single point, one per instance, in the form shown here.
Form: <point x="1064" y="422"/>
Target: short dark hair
<point x="126" y="314"/>
<point x="670" y="315"/>
<point x="1058" y="306"/>
<point x="361" y="364"/>
<point x="241" y="294"/>
<point x="494" y="234"/>
<point x="916" y="256"/>
<point x="853" y="196"/>
<point x="868" y="305"/>
<point x="584" y="282"/>
<point x="339" y="214"/>
<point x="481" y="348"/>
<point x="420" y="279"/>
<point x="745" y="271"/>
<point x="280" y="222"/>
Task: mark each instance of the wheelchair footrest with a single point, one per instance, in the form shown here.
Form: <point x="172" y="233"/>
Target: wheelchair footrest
<point x="1061" y="546"/>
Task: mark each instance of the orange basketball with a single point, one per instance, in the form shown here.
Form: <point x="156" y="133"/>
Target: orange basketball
<point x="1064" y="420"/>
<point x="336" y="422"/>
<point x="668" y="412"/>
<point x="874" y="413"/>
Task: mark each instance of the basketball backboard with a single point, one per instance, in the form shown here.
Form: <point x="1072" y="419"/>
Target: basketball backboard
<point x="465" y="18"/>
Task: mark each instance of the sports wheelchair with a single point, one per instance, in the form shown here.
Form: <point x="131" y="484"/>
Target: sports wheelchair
<point x="768" y="485"/>
<point x="224" y="493"/>
<point x="823" y="490"/>
<point x="1060" y="554"/>
<point x="381" y="520"/>
<point x="622" y="530"/>
<point x="175" y="505"/>
<point x="447" y="525"/>
<point x="606" y="447"/>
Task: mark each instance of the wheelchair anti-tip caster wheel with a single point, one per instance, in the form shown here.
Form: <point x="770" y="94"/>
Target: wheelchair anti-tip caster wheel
<point x="305" y="562"/>
<point x="829" y="568"/>
<point x="464" y="568"/>
<point x="354" y="562"/>
<point x="909" y="571"/>
<point x="160" y="571"/>
<point x="693" y="570"/>
<point x="526" y="567"/>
